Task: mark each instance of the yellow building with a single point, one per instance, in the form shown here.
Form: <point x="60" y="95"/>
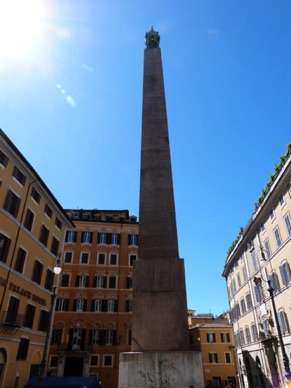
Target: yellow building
<point x="257" y="273"/>
<point x="32" y="228"/>
<point x="92" y="323"/>
<point x="213" y="337"/>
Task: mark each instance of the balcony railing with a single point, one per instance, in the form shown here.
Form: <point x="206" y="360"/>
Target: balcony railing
<point x="15" y="320"/>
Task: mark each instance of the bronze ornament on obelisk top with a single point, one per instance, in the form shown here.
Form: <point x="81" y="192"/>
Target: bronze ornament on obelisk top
<point x="160" y="354"/>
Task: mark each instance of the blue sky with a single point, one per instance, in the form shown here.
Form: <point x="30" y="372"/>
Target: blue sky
<point x="71" y="97"/>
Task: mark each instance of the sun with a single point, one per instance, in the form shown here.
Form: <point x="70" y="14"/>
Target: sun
<point x="20" y="23"/>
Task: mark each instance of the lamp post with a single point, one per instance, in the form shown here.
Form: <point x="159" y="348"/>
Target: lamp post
<point x="264" y="264"/>
<point x="42" y="370"/>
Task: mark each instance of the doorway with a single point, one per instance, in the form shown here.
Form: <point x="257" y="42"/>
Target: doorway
<point x="74" y="366"/>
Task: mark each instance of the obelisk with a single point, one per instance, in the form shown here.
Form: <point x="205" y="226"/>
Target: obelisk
<point x="161" y="356"/>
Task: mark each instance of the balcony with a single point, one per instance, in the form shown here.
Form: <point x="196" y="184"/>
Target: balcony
<point x="12" y="320"/>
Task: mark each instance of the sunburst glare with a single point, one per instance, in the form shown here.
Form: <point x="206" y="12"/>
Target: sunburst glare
<point x="20" y="26"/>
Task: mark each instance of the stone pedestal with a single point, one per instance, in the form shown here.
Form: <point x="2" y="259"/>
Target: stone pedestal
<point x="161" y="370"/>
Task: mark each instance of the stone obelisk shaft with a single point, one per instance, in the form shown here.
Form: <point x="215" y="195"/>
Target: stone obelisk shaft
<point x="159" y="292"/>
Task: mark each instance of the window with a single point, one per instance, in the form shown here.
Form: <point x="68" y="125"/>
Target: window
<point x="43" y="321"/>
<point x="211" y="337"/>
<point x="278" y="236"/>
<point x="213" y="359"/>
<point x="281" y="200"/>
<point x="111" y="305"/>
<point x="86" y="237"/>
<point x="85" y="258"/>
<point x="37" y="272"/>
<point x="259" y="292"/>
<point x="241" y="337"/>
<point x="132" y="258"/>
<point x="20" y="260"/>
<point x="58" y="223"/>
<point x="35" y="195"/>
<point x="285" y="273"/>
<point x="94" y="360"/>
<point x="82" y="281"/>
<point x="267" y="248"/>
<point x="247" y="335"/>
<point x="65" y="280"/>
<point x="49" y="279"/>
<point x="12" y="203"/>
<point x="263" y="228"/>
<point x="128" y="306"/>
<point x="243" y="306"/>
<point x="48" y="211"/>
<point x="100" y="281"/>
<point x="224" y="337"/>
<point x="129" y="282"/>
<point x="76" y="338"/>
<point x="287" y="220"/>
<point x="114" y="239"/>
<point x="3" y="159"/>
<point x="238" y="281"/>
<point x="97" y="305"/>
<point x="107" y="360"/>
<point x="68" y="257"/>
<point x="21" y="178"/>
<point x="112" y="282"/>
<point x="249" y="301"/>
<point x="29" y="219"/>
<point x="4" y="247"/>
<point x="12" y="312"/>
<point x="254" y="332"/>
<point x="227" y="358"/>
<point x="254" y="261"/>
<point x="95" y="337"/>
<point x="101" y="258"/>
<point x="62" y="304"/>
<point x="266" y="328"/>
<point x="23" y="349"/>
<point x="113" y="259"/>
<point x="272" y="214"/>
<point x="55" y="246"/>
<point x="80" y="304"/>
<point x="110" y="337"/>
<point x="132" y="239"/>
<point x="233" y="286"/>
<point x="283" y="321"/>
<point x="101" y="238"/>
<point x="29" y="316"/>
<point x="71" y="237"/>
<point x="44" y="235"/>
<point x="274" y="281"/>
<point x="54" y="361"/>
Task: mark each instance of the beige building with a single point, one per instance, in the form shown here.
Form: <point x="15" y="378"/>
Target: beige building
<point x="260" y="256"/>
<point x="92" y="323"/>
<point x="32" y="228"/>
<point x="213" y="337"/>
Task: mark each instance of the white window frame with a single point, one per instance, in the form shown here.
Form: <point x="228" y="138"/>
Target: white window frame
<point x="278" y="237"/>
<point x="287" y="220"/>
<point x="103" y="362"/>
<point x="98" y="305"/>
<point x="80" y="305"/>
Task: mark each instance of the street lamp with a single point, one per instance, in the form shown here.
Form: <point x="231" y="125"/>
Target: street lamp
<point x="42" y="370"/>
<point x="264" y="263"/>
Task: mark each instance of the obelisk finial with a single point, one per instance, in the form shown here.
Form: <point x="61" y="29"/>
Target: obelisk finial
<point x="152" y="39"/>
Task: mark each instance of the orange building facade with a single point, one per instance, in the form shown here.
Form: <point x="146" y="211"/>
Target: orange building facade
<point x="92" y="322"/>
<point x="213" y="337"/>
<point x="32" y="230"/>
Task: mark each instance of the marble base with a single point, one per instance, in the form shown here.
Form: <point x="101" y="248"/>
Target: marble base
<point x="165" y="369"/>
